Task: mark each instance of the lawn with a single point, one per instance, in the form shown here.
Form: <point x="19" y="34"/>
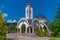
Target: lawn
<point x="53" y="38"/>
<point x="9" y="39"/>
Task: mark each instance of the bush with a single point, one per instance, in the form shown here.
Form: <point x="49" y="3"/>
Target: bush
<point x="55" y="27"/>
<point x="40" y="32"/>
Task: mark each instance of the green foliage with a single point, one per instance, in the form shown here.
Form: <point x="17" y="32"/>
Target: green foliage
<point x="58" y="16"/>
<point x="18" y="30"/>
<point x="55" y="25"/>
<point x="9" y="38"/>
<point x="40" y="32"/>
<point x="23" y="28"/>
<point x="12" y="28"/>
<point x="2" y="28"/>
<point x="53" y="38"/>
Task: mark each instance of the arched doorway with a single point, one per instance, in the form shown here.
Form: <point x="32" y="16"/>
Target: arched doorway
<point x="35" y="28"/>
<point x="35" y="25"/>
<point x="29" y="29"/>
<point x="23" y="28"/>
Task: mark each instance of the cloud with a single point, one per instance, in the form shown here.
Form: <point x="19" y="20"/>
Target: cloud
<point x="11" y="21"/>
<point x="5" y="15"/>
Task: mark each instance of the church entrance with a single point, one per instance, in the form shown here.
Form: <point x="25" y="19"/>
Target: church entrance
<point x="29" y="29"/>
<point x="35" y="28"/>
<point x="23" y="28"/>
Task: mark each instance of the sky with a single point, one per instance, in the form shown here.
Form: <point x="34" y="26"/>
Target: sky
<point x="14" y="10"/>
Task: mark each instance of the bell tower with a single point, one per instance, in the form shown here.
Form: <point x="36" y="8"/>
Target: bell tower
<point x="29" y="11"/>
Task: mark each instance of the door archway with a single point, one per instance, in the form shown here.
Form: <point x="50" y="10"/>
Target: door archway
<point x="29" y="29"/>
<point x="23" y="28"/>
<point x="35" y="24"/>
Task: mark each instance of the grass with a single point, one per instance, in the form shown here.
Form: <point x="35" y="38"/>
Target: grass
<point x="53" y="38"/>
<point x="9" y="39"/>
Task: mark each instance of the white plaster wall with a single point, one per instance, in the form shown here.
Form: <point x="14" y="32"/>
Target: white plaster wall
<point x="22" y="24"/>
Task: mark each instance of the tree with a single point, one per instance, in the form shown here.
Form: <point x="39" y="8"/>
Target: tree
<point x="58" y="14"/>
<point x="55" y="25"/>
<point x="2" y="28"/>
<point x="12" y="28"/>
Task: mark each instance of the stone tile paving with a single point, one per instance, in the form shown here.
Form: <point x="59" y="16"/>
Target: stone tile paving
<point x="17" y="36"/>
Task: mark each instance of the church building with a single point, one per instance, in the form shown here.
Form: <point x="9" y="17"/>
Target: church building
<point x="29" y="24"/>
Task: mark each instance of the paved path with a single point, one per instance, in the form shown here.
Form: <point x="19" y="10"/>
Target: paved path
<point x="30" y="36"/>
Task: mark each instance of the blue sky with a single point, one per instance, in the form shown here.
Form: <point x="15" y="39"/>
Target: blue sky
<point x="13" y="10"/>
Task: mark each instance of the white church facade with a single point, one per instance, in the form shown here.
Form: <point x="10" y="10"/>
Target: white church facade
<point x="29" y="23"/>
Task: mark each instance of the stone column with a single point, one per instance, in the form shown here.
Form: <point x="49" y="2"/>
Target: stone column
<point x="26" y="30"/>
<point x="42" y="26"/>
<point x="17" y="30"/>
<point x="32" y="29"/>
<point x="29" y="30"/>
<point x="20" y="30"/>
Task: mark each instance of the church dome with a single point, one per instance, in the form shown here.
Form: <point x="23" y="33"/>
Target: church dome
<point x="41" y="17"/>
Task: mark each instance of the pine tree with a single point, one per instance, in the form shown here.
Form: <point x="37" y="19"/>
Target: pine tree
<point x="58" y="14"/>
<point x="2" y="28"/>
<point x="55" y="25"/>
